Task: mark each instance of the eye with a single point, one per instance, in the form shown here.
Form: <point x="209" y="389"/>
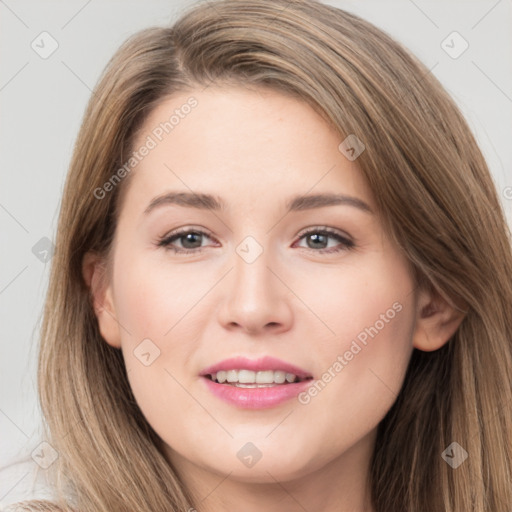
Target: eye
<point x="317" y="239"/>
<point x="190" y="240"/>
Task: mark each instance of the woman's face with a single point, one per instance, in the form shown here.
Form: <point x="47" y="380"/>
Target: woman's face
<point x="318" y="287"/>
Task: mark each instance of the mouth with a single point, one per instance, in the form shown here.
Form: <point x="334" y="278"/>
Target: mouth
<point x="255" y="384"/>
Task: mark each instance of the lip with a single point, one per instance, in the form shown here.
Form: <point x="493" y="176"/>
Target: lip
<point x="258" y="365"/>
<point x="256" y="398"/>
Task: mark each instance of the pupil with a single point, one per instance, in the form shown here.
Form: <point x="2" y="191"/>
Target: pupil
<point x="317" y="238"/>
<point x="189" y="238"/>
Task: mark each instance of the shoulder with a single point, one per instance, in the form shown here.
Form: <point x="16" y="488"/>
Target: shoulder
<point x="23" y="487"/>
<point x="33" y="506"/>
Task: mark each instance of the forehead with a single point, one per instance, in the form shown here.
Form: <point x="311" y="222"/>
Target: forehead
<point x="247" y="144"/>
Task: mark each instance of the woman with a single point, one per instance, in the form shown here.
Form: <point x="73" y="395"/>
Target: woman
<point x="260" y="368"/>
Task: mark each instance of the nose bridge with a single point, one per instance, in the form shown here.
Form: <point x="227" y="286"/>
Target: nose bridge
<point x="252" y="277"/>
<point x="256" y="298"/>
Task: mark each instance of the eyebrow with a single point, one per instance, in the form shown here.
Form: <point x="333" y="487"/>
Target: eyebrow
<point x="298" y="203"/>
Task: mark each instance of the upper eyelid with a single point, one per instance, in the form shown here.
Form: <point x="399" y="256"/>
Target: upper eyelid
<point x="328" y="230"/>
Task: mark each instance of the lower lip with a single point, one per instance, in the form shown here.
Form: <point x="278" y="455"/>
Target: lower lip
<point x="256" y="398"/>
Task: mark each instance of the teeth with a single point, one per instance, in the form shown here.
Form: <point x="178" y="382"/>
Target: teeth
<point x="266" y="377"/>
<point x="250" y="377"/>
<point x="232" y="376"/>
<point x="279" y="377"/>
<point x="246" y="377"/>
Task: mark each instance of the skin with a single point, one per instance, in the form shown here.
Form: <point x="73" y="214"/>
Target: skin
<point x="255" y="149"/>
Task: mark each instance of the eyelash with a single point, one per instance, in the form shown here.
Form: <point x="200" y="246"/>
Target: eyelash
<point x="166" y="241"/>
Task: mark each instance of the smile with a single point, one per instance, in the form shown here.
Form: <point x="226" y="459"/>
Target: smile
<point x="255" y="384"/>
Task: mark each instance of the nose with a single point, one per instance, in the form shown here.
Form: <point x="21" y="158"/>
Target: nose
<point x="255" y="298"/>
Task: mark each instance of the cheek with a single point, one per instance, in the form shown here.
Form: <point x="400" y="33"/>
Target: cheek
<point x="366" y="300"/>
<point x="153" y="297"/>
<point x="378" y="320"/>
<point x="372" y="312"/>
<point x="153" y="305"/>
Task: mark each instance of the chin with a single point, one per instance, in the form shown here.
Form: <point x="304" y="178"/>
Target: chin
<point x="266" y="474"/>
<point x="268" y="469"/>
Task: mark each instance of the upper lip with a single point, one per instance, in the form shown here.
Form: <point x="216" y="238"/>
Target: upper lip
<point x="256" y="365"/>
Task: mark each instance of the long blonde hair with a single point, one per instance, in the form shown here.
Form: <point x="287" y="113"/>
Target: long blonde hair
<point x="434" y="193"/>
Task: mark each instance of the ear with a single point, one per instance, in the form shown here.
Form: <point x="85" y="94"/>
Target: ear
<point x="95" y="275"/>
<point x="436" y="320"/>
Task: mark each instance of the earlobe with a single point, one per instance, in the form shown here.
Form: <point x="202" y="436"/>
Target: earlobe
<point x="95" y="277"/>
<point x="436" y="322"/>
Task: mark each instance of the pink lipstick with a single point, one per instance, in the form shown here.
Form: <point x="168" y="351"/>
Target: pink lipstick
<point x="255" y="384"/>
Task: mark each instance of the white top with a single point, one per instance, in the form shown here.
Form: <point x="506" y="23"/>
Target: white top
<point x="23" y="479"/>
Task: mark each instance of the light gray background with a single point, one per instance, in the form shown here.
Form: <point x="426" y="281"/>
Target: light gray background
<point x="43" y="100"/>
